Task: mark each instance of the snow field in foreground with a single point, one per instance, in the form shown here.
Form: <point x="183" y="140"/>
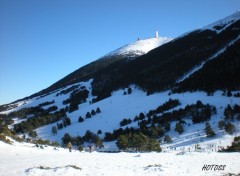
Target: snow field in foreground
<point x="26" y="160"/>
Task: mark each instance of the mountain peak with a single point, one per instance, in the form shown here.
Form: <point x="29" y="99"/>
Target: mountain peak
<point x="139" y="47"/>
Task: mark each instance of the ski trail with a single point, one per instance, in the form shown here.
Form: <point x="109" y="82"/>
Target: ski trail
<point x="210" y="58"/>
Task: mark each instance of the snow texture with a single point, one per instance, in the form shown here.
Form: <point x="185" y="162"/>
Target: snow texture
<point x="222" y="24"/>
<point x="139" y="47"/>
<point x="23" y="159"/>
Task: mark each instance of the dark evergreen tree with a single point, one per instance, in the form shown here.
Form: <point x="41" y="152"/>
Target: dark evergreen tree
<point x="228" y="113"/>
<point x="99" y="132"/>
<point x="122" y="142"/>
<point x="66" y="138"/>
<point x="235" y="147"/>
<point x="136" y="118"/>
<point x="214" y="110"/>
<point x="93" y="113"/>
<point x="66" y="109"/>
<point x="229" y="93"/>
<point x="129" y="90"/>
<point x="73" y="106"/>
<point x="141" y="142"/>
<point x="125" y="122"/>
<point x="160" y="131"/>
<point x="167" y="139"/>
<point x="54" y="130"/>
<point x="229" y="128"/>
<point x="60" y="126"/>
<point x="238" y="116"/>
<point x="80" y="119"/>
<point x="88" y="136"/>
<point x="97" y="141"/>
<point x="221" y="124"/>
<point x="98" y="110"/>
<point x="208" y="130"/>
<point x="179" y="128"/>
<point x="167" y="126"/>
<point x="153" y="145"/>
<point x="32" y="133"/>
<point x="109" y="137"/>
<point x="88" y="115"/>
<point x="138" y="141"/>
<point x="141" y="116"/>
<point x="66" y="121"/>
<point x="199" y="104"/>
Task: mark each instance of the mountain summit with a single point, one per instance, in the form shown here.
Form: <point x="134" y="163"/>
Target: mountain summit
<point x="139" y="47"/>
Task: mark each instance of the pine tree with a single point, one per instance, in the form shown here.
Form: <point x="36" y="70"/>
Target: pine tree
<point x="99" y="132"/>
<point x="32" y="133"/>
<point x="167" y="139"/>
<point x="179" y="128"/>
<point x="125" y="122"/>
<point x="229" y="93"/>
<point x="221" y="124"/>
<point x="98" y="110"/>
<point x="54" y="130"/>
<point x="66" y="121"/>
<point x="129" y="90"/>
<point x="122" y="142"/>
<point x="66" y="138"/>
<point x="228" y="113"/>
<point x="98" y="142"/>
<point x="93" y="113"/>
<point x="141" y="116"/>
<point x="167" y="126"/>
<point x="136" y="118"/>
<point x="60" y="126"/>
<point x="160" y="131"/>
<point x="153" y="145"/>
<point x="80" y="119"/>
<point x="88" y="115"/>
<point x="229" y="128"/>
<point x="208" y="130"/>
<point x="138" y="141"/>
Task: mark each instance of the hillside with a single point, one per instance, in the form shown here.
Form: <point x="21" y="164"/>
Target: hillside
<point x="180" y="94"/>
<point x="121" y="55"/>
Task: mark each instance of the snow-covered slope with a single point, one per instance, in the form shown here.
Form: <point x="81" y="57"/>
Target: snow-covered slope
<point x="139" y="47"/>
<point x="222" y="24"/>
<point x="198" y="67"/>
<point x="26" y="160"/>
<point x="120" y="106"/>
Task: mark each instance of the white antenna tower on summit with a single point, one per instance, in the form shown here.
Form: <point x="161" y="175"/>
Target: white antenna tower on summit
<point x="156" y="34"/>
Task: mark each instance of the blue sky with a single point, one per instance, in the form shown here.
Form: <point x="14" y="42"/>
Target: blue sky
<point x="41" y="41"/>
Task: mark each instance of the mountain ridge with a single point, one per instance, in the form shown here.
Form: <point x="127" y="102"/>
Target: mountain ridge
<point x="139" y="47"/>
<point x="118" y="61"/>
<point x="127" y="96"/>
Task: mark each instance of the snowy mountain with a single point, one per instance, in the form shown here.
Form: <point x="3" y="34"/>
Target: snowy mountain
<point x="139" y="47"/>
<point x="184" y="93"/>
<point x="222" y="24"/>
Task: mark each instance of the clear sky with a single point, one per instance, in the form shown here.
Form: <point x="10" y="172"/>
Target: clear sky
<point x="41" y="41"/>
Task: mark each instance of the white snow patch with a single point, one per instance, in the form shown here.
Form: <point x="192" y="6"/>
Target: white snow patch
<point x="223" y="23"/>
<point x="23" y="159"/>
<point x="139" y="47"/>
